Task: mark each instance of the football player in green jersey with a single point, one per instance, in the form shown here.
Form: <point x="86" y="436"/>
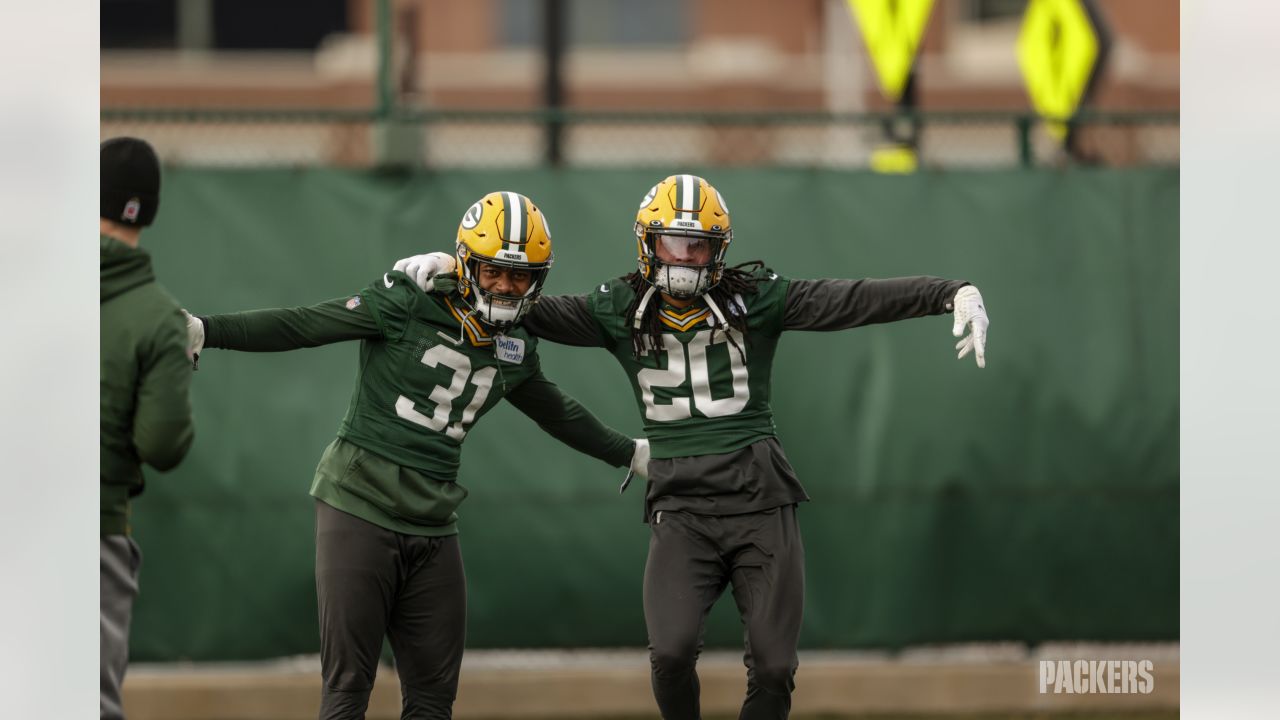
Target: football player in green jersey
<point x="387" y="558"/>
<point x="697" y="340"/>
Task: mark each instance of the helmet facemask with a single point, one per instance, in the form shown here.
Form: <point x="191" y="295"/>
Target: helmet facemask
<point x="693" y="264"/>
<point x="497" y="310"/>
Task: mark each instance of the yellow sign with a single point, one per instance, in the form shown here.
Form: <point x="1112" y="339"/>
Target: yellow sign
<point x="894" y="160"/>
<point x="892" y="30"/>
<point x="1057" y="51"/>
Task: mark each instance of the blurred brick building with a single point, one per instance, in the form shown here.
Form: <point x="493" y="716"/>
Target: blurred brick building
<point x="632" y="55"/>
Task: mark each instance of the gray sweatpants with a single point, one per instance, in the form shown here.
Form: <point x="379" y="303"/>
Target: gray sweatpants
<point x="372" y="582"/>
<point x="691" y="560"/>
<point x="120" y="560"/>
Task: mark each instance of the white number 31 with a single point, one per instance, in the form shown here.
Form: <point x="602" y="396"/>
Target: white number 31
<point x="444" y="397"/>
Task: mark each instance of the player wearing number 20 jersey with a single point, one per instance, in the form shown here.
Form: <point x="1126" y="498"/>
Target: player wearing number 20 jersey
<point x="697" y="342"/>
<point x="431" y="365"/>
<point x="705" y="395"/>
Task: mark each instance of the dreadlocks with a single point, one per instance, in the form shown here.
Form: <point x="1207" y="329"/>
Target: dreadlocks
<point x="737" y="280"/>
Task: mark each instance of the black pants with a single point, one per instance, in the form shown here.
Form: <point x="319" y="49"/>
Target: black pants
<point x="691" y="559"/>
<point x="372" y="582"/>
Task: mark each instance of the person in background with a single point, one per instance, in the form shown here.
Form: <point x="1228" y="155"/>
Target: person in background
<point x="145" y="381"/>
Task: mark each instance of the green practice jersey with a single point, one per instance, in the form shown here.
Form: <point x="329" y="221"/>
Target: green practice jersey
<point x="426" y="374"/>
<point x="705" y="395"/>
<point x="707" y="389"/>
<point x="436" y="380"/>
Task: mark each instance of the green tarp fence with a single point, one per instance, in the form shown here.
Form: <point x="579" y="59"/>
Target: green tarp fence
<point x="1034" y="500"/>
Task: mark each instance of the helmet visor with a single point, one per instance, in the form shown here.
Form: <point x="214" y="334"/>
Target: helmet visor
<point x="685" y="249"/>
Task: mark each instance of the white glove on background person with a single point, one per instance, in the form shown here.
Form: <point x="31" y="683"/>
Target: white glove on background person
<point x="639" y="464"/>
<point x="195" y="338"/>
<point x="971" y="314"/>
<point x="422" y="269"/>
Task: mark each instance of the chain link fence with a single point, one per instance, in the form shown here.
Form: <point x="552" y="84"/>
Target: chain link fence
<point x="490" y="139"/>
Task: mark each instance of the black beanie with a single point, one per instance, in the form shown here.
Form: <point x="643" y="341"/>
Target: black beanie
<point x="130" y="181"/>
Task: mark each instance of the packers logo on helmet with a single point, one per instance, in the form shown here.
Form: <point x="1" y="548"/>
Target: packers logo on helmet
<point x="682" y="234"/>
<point x="505" y="234"/>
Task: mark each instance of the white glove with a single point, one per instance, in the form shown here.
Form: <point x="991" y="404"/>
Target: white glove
<point x="422" y="269"/>
<point x="971" y="314"/>
<point x="195" y="338"/>
<point x="639" y="464"/>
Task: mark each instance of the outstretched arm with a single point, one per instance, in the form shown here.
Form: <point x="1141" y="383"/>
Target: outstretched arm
<point x="840" y="304"/>
<point x="282" y="329"/>
<point x="568" y="421"/>
<point x="565" y="319"/>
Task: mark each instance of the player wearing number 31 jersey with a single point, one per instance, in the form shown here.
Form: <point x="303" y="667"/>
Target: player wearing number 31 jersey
<point x="697" y="341"/>
<point x="387" y="558"/>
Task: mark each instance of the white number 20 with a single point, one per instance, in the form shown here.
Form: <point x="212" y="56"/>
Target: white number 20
<point x="693" y="366"/>
<point x="444" y="397"/>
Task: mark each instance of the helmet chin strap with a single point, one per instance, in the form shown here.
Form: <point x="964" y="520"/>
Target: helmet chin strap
<point x="715" y="310"/>
<point x="462" y="326"/>
<point x="648" y="295"/>
<point x="644" y="302"/>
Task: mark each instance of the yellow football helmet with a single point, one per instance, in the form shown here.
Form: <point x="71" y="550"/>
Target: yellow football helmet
<point x="506" y="230"/>
<point x="682" y="234"/>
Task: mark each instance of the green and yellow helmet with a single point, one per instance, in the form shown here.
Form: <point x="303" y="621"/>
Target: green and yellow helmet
<point x="685" y="214"/>
<point x="507" y="230"/>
